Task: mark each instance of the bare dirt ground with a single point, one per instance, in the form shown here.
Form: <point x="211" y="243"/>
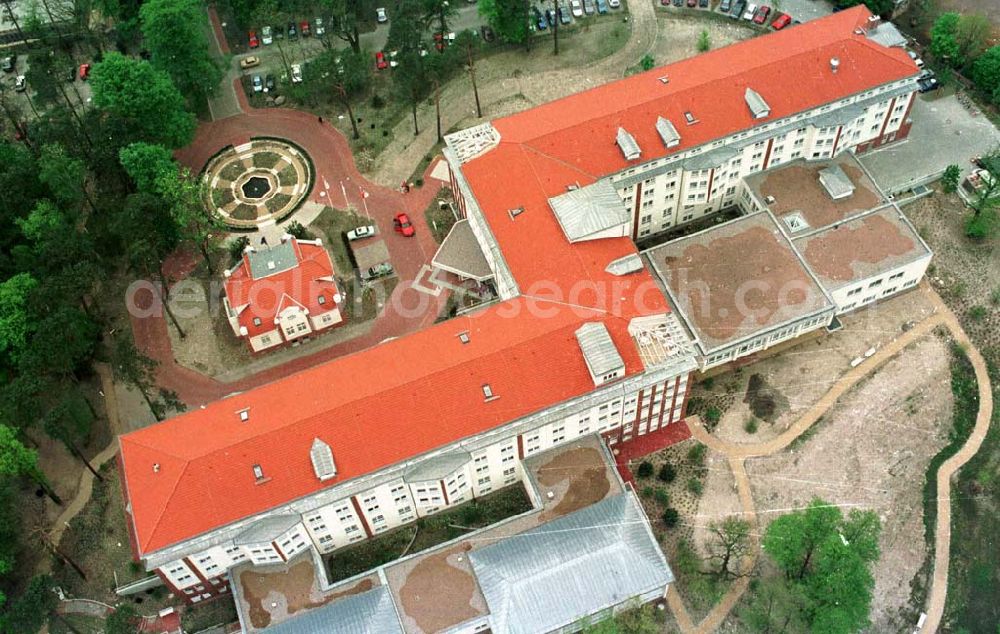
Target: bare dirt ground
<point x="797" y="377"/>
<point x="871" y="451"/>
<point x="974" y="297"/>
<point x="678" y="38"/>
<point x="719" y="501"/>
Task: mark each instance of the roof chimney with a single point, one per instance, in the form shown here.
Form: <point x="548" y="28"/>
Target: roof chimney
<point x="834" y="64"/>
<point x="156" y="467"/>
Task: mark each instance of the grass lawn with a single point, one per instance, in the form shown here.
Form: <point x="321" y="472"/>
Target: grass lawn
<point x="333" y="223"/>
<point x="431" y="531"/>
<point x="440" y="220"/>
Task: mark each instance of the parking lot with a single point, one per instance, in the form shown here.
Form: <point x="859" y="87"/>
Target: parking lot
<point x="77" y="91"/>
<point x="944" y="132"/>
<point x="801" y="10"/>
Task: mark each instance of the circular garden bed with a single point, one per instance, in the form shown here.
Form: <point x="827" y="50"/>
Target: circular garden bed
<point x="264" y="180"/>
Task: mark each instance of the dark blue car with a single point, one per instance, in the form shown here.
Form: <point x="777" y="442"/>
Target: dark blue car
<point x="540" y="19"/>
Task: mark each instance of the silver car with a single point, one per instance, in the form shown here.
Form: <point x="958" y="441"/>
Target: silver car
<point x="364" y="231"/>
<point x="588" y="7"/>
<point x="258" y="83"/>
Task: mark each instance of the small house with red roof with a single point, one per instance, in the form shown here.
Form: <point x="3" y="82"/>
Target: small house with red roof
<point x="280" y="294"/>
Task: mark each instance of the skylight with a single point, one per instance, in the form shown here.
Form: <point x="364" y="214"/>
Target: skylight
<point x="626" y="142"/>
<point x="689" y="118"/>
<point x="668" y="132"/>
<point x="488" y="391"/>
<point x="322" y="460"/>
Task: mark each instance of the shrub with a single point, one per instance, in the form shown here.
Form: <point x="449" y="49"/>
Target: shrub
<point x="670" y="517"/>
<point x="750" y="426"/>
<point x="299" y="231"/>
<point x="419" y="182"/>
<point x="704" y="41"/>
<point x="696" y="454"/>
<point x="645" y="469"/>
<point x="695" y="486"/>
<point x="949" y="181"/>
<point x="712" y="416"/>
<point x="667" y="473"/>
<point x="236" y="248"/>
<point x="647" y="491"/>
<point x="662" y="497"/>
<point x="708" y="383"/>
<point x="377" y="101"/>
<point x="978" y="313"/>
<point x="647" y="62"/>
<point x="982" y="225"/>
<point x="995" y="296"/>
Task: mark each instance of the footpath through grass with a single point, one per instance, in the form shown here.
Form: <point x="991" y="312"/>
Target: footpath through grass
<point x="431" y="531"/>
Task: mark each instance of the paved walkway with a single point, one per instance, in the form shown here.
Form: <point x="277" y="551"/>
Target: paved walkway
<point x="737" y="454"/>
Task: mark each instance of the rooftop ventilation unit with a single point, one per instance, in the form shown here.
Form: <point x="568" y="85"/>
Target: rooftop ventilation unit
<point x="322" y="460"/>
<point x="271" y="265"/>
<point x="758" y="107"/>
<point x="463" y="337"/>
<point x="244" y="415"/>
<point x="626" y="142"/>
<point x="834" y="64"/>
<point x="488" y="392"/>
<point x="668" y="132"/>
<point x="664" y="79"/>
<point x="514" y="213"/>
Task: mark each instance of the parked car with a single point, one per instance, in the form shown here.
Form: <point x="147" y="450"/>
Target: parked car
<point x="401" y="223"/>
<point x="588" y="7"/>
<point x="761" y="16"/>
<point x="20" y="84"/>
<point x="292" y="31"/>
<point x="678" y="3"/>
<point x="692" y="3"/>
<point x="266" y="36"/>
<point x="257" y="83"/>
<point x="703" y="4"/>
<point x="254" y="42"/>
<point x="488" y="35"/>
<point x="916" y="59"/>
<point x="379" y="270"/>
<point x="564" y="15"/>
<point x="364" y="231"/>
<point x="319" y="27"/>
<point x="249" y="61"/>
<point x="576" y="8"/>
<point x="927" y="84"/>
<point x="380" y="62"/>
<point x="540" y="22"/>
<point x="381" y="16"/>
<point x="439" y="41"/>
<point x="750" y="12"/>
<point x="305" y="28"/>
<point x="296" y="73"/>
<point x="615" y="4"/>
<point x="8" y="63"/>
<point x="725" y="6"/>
<point x="602" y="6"/>
<point x="84" y="72"/>
<point x="269" y="83"/>
<point x="738" y="6"/>
<point x="781" y="21"/>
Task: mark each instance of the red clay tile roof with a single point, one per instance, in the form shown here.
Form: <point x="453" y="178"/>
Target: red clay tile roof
<point x="410" y="395"/>
<point x="424" y="390"/>
<point x="790" y="69"/>
<point x="265" y="297"/>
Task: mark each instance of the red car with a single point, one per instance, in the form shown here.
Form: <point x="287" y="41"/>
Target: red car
<point x="254" y="42"/>
<point x="304" y="28"/>
<point x="761" y="16"/>
<point x="380" y="62"/>
<point x="439" y="41"/>
<point x="781" y="21"/>
<point x="401" y="223"/>
<point x="84" y="71"/>
<point x="692" y="3"/>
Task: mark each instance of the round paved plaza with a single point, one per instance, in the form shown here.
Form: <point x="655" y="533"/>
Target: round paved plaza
<point x="257" y="183"/>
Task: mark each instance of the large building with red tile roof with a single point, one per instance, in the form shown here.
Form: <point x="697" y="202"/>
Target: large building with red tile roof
<point x="583" y="339"/>
<point x="282" y="293"/>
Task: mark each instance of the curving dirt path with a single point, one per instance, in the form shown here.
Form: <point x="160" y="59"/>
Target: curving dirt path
<point x="738" y="453"/>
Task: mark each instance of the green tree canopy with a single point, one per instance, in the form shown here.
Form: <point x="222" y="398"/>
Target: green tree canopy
<point x="148" y="103"/>
<point x="64" y="175"/>
<point x="146" y="164"/>
<point x="176" y="34"/>
<point x="986" y="73"/>
<point x="944" y="44"/>
<point x="509" y="18"/>
<point x="15" y="322"/>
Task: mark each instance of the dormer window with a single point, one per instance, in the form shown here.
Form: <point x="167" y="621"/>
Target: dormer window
<point x="628" y="146"/>
<point x="244" y="415"/>
<point x="321" y="300"/>
<point x="488" y="391"/>
<point x="322" y="460"/>
<point x="258" y="472"/>
<point x="758" y="107"/>
<point x="256" y="321"/>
